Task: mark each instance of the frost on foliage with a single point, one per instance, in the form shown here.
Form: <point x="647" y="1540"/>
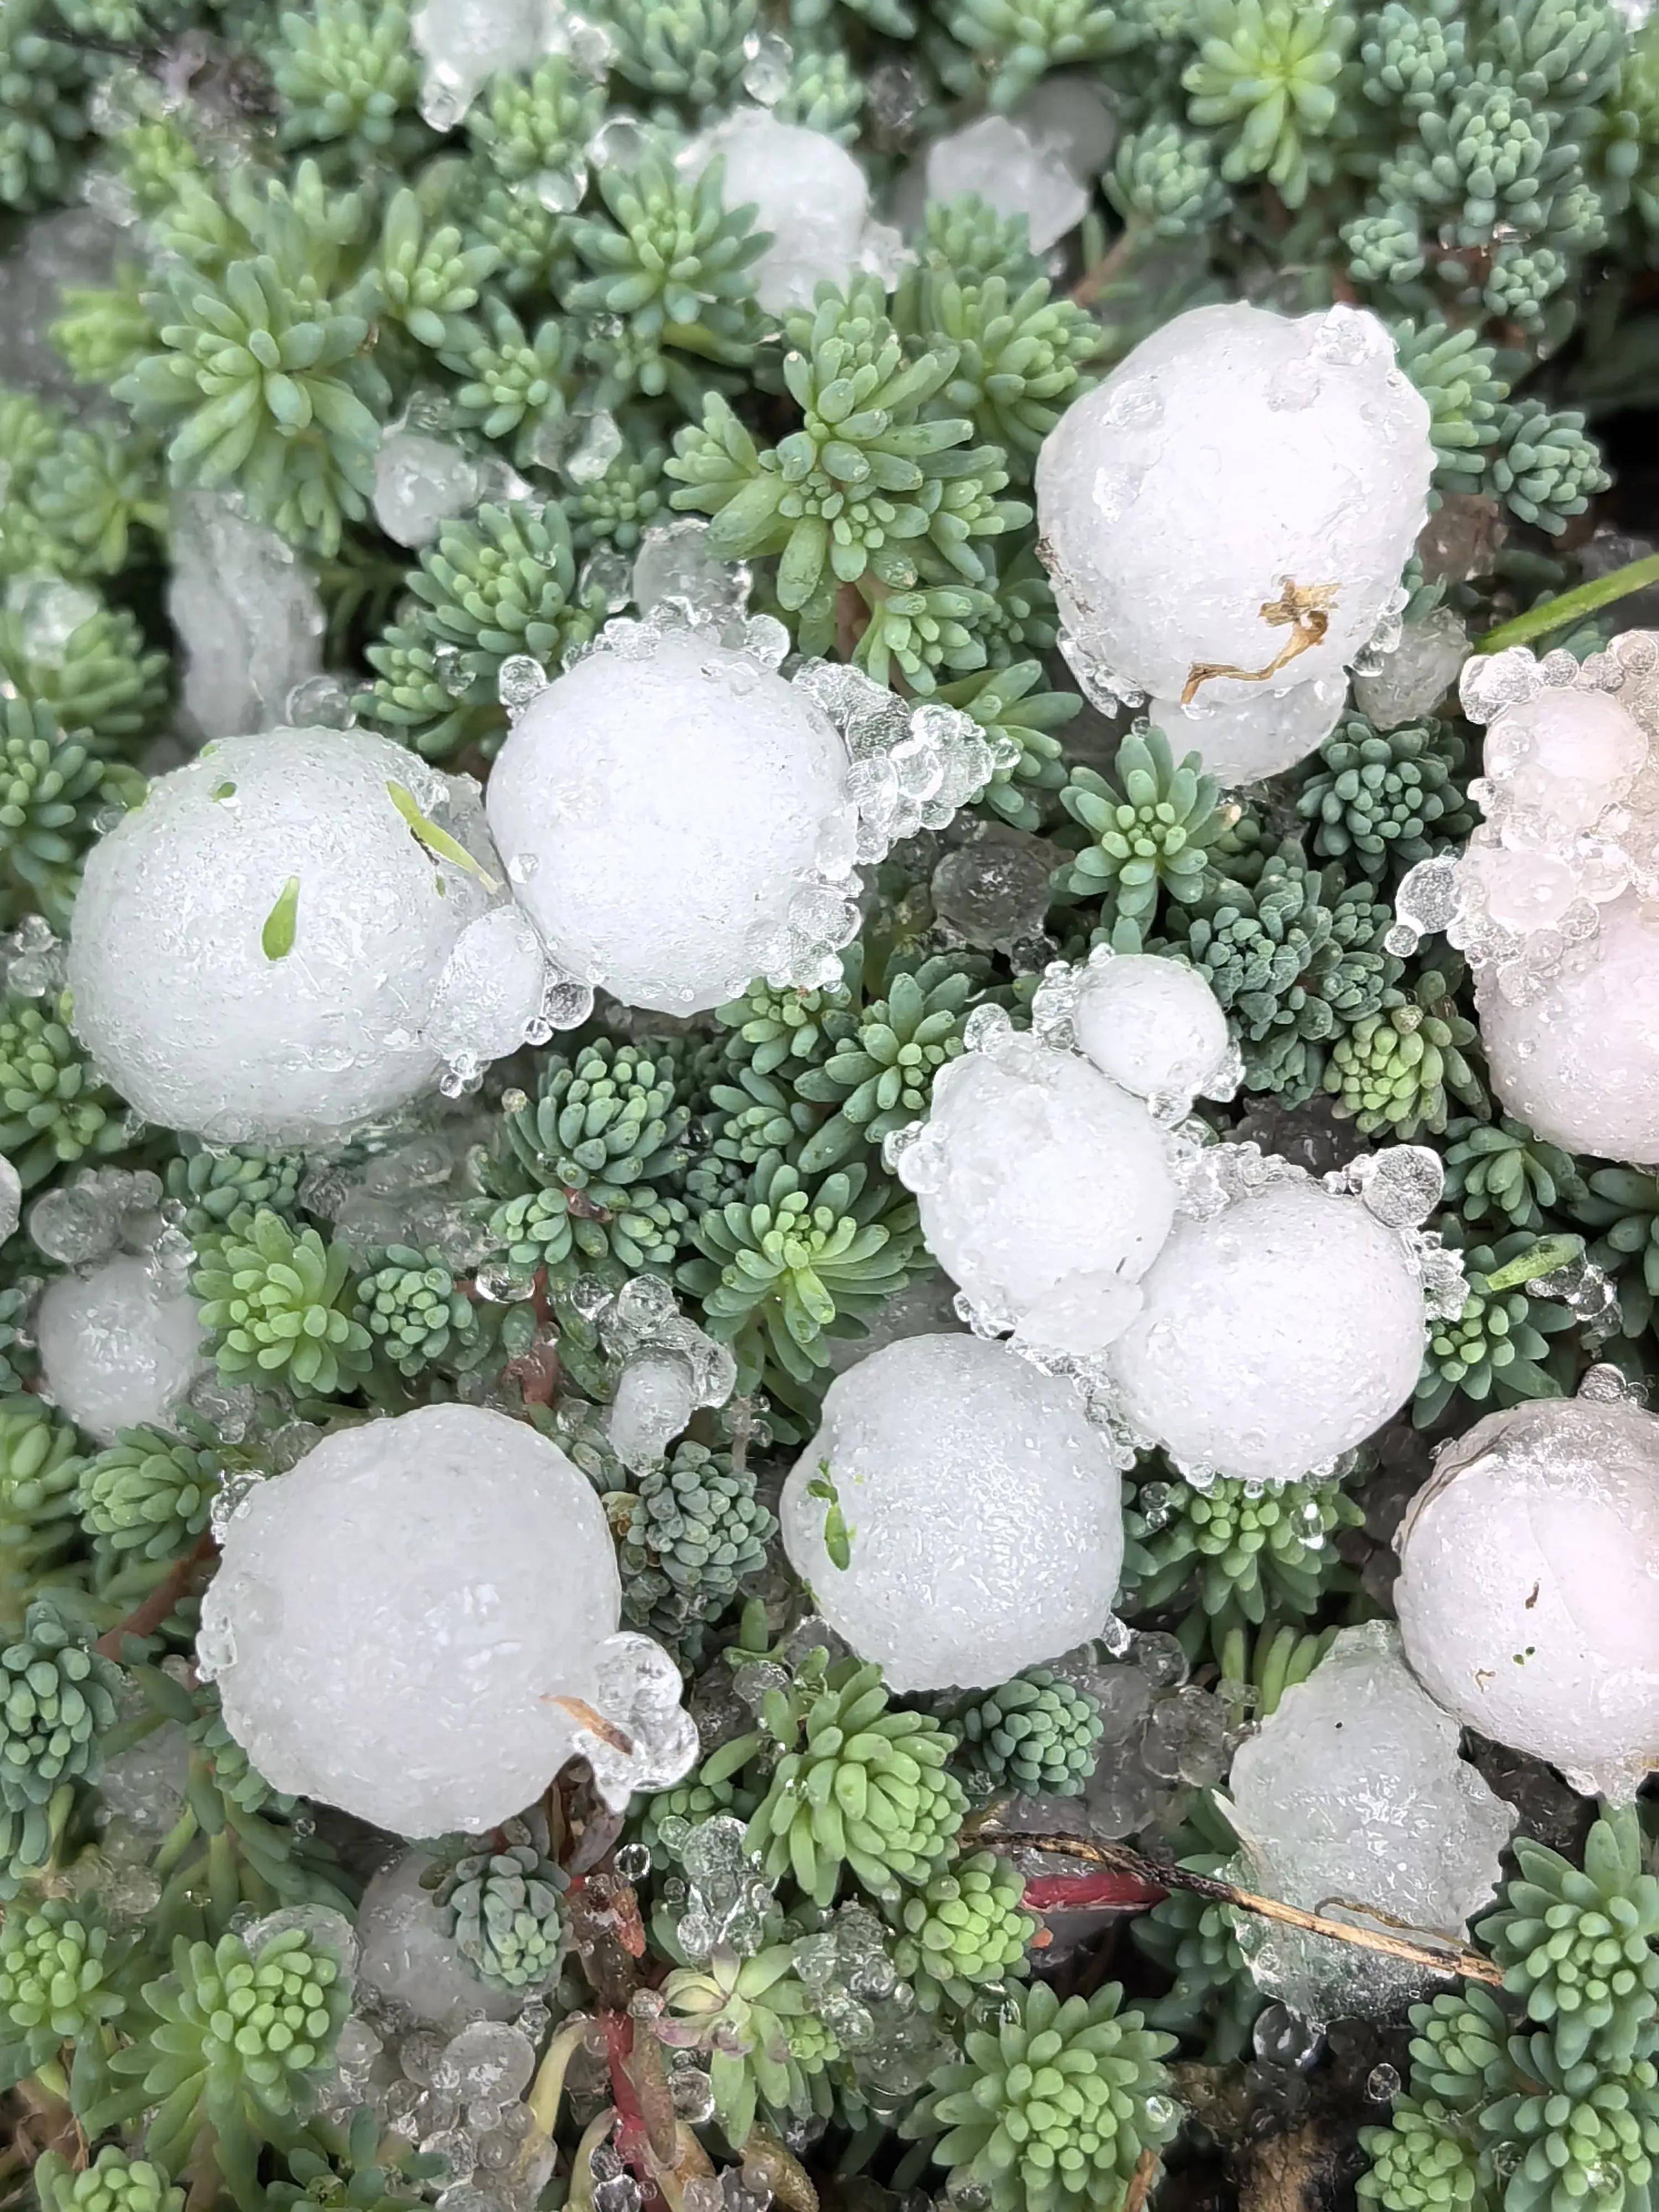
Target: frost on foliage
<point x="1225" y="519"/>
<point x="1529" y="1590"/>
<point x="418" y="1623"/>
<point x="407" y="1958"/>
<point x="262" y="949"/>
<point x="1551" y="899"/>
<point x="1284" y="1320"/>
<point x="246" y="613"/>
<point x="810" y="195"/>
<point x="677" y="819"/>
<point x="956" y="1516"/>
<point x="120" y="1346"/>
<point x="1351" y="1794"/>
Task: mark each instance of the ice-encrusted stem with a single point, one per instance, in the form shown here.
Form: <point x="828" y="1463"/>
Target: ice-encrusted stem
<point x="1582" y="599"/>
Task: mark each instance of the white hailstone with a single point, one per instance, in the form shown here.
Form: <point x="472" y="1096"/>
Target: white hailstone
<point x="1155" y="1027"/>
<point x="465" y="41"/>
<point x="406" y="1958"/>
<point x="1529" y="1589"/>
<point x="807" y="191"/>
<point x="1014" y="169"/>
<point x="418" y="1623"/>
<point x="1235" y="502"/>
<point x="259" y="948"/>
<point x="420" y="482"/>
<point x="660" y="815"/>
<point x="1045" y="1189"/>
<point x="982" y="1514"/>
<point x="1272" y="1334"/>
<point x="1350" y="1793"/>
<point x="120" y="1347"/>
<point x="247" y="612"/>
<point x="11" y="1198"/>
<point x="1258" y="733"/>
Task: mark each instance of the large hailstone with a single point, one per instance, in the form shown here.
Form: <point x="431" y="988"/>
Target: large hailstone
<point x="1272" y="1334"/>
<point x="1529" y="1589"/>
<point x="1045" y="1190"/>
<point x="808" y="193"/>
<point x="982" y="1514"/>
<point x="1226" y="519"/>
<point x="418" y="1623"/>
<point x="662" y="814"/>
<point x="268" y="951"/>
<point x="1352" y="1791"/>
<point x="120" y="1347"/>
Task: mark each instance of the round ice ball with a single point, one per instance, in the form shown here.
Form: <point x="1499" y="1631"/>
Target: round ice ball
<point x="1044" y="1191"/>
<point x="406" y="1958"/>
<point x="1242" y="491"/>
<point x="1152" y="1025"/>
<point x="983" y="1514"/>
<point x="1273" y="1335"/>
<point x="1529" y="1589"/>
<point x="257" y="948"/>
<point x="1564" y="755"/>
<point x="396" y="1621"/>
<point x="1257" y="732"/>
<point x="119" y="1348"/>
<point x="1579" y="1063"/>
<point x="660" y="811"/>
<point x="808" y="191"/>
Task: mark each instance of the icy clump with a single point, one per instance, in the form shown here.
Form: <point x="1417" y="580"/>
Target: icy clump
<point x="1045" y="1189"/>
<point x="417" y="1623"/>
<point x="120" y="1347"/>
<point x="53" y="254"/>
<point x="982" y="1513"/>
<point x="406" y="1958"/>
<point x="808" y="191"/>
<point x="995" y="887"/>
<point x="247" y="612"/>
<point x="1155" y="1027"/>
<point x="145" y="1784"/>
<point x="1529" y="1589"/>
<point x="1014" y="169"/>
<point x="669" y="1368"/>
<point x="489" y="992"/>
<point x="420" y="482"/>
<point x="463" y="42"/>
<point x="1351" y="1794"/>
<point x="1415" y="676"/>
<point x="1231" y="510"/>
<point x="259" y="948"/>
<point x="1274" y="1334"/>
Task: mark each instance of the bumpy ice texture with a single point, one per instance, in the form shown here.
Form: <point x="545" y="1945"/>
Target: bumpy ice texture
<point x="1244" y="483"/>
<point x="406" y="1958"/>
<point x="1529" y="1590"/>
<point x="1274" y="1334"/>
<point x="809" y="192"/>
<point x="985" y="1514"/>
<point x="1354" y="1790"/>
<point x="203" y="1008"/>
<point x="120" y="1347"/>
<point x="396" y="1622"/>
<point x="247" y="612"/>
<point x="660" y="812"/>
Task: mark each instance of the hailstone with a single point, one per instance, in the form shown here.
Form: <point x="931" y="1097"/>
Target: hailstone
<point x="1273" y="1335"/>
<point x="1529" y="1589"/>
<point x="662" y="813"/>
<point x="1153" y="1026"/>
<point x="808" y="193"/>
<point x="406" y="1958"/>
<point x="258" y="949"/>
<point x="418" y="1623"/>
<point x="120" y="1346"/>
<point x="1352" y="1790"/>
<point x="1044" y="1190"/>
<point x="956" y="1515"/>
<point x="1225" y="518"/>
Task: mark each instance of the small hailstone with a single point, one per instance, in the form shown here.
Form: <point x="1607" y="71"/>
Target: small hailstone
<point x="1352" y="1793"/>
<point x="1014" y="170"/>
<point x="465" y="41"/>
<point x="490" y="989"/>
<point x="11" y="1198"/>
<point x="1529" y="1589"/>
<point x="1272" y="1334"/>
<point x="995" y="887"/>
<point x="405" y="1958"/>
<point x="417" y="1623"/>
<point x="259" y="947"/>
<point x="1416" y="675"/>
<point x="982" y="1513"/>
<point x="1072" y="117"/>
<point x="1044" y="1190"/>
<point x="672" y="806"/>
<point x="420" y="482"/>
<point x="808" y="191"/>
<point x="1152" y="1025"/>
<point x="146" y="1783"/>
<point x="75" y="248"/>
<point x="246" y="613"/>
<point x="1225" y="517"/>
<point x="119" y="1348"/>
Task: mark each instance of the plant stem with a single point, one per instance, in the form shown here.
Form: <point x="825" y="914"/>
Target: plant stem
<point x="1583" y="599"/>
<point x="548" y="2087"/>
<point x="1141" y="2180"/>
<point x="146" y="1618"/>
<point x="1093" y="281"/>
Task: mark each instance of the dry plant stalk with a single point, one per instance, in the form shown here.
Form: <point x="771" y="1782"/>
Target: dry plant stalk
<point x="1304" y="609"/>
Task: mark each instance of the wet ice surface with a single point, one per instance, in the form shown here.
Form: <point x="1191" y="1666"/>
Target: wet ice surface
<point x="407" y="1959"/>
<point x="120" y="1346"/>
<point x="398" y="1622"/>
<point x="1040" y="161"/>
<point x="982" y="1514"/>
<point x="1352" y="1793"/>
<point x="1529" y="1590"/>
<point x="247" y="612"/>
<point x="809" y="192"/>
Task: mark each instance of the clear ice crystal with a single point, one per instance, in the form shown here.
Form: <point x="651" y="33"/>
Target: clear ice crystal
<point x="416" y="1623"/>
<point x="247" y="612"/>
<point x="1529" y="1589"/>
<point x="1412" y="679"/>
<point x="120" y="1346"/>
<point x="419" y="482"/>
<point x="1024" y="1563"/>
<point x="993" y="888"/>
<point x="1351" y="1795"/>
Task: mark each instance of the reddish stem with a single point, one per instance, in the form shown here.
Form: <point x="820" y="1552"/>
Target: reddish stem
<point x="146" y="1618"/>
<point x="1083" y="1892"/>
<point x="632" y="2138"/>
